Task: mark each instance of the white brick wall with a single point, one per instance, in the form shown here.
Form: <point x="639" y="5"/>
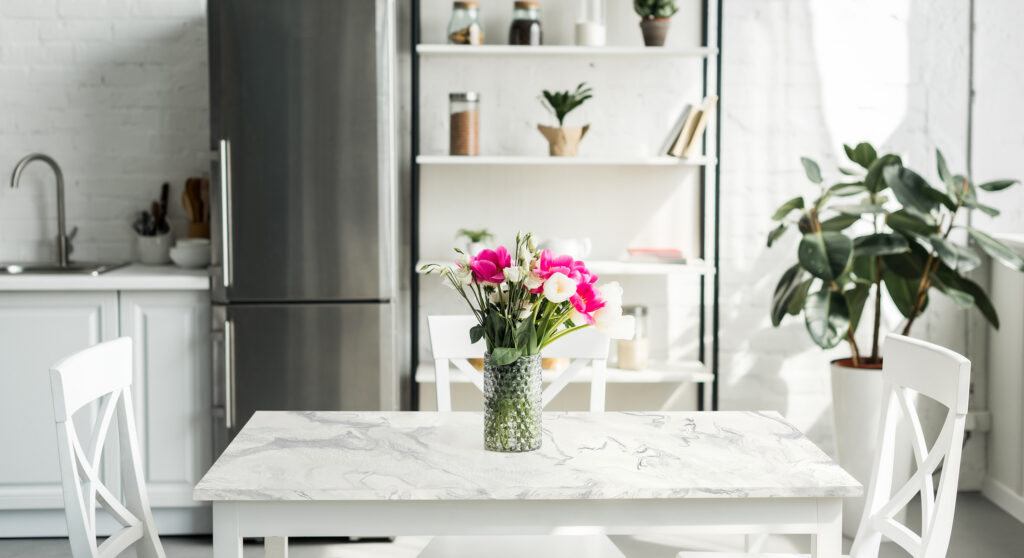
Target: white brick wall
<point x="116" y="91"/>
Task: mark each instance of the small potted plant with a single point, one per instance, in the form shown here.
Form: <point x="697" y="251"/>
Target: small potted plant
<point x="154" y="232"/>
<point x="858" y="245"/>
<point x="564" y="141"/>
<point x="654" y="20"/>
<point x="524" y="300"/>
<point x="476" y="240"/>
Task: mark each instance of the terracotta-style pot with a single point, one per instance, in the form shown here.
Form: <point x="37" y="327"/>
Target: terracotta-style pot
<point x="857" y="419"/>
<point x="654" y="30"/>
<point x="564" y="141"/>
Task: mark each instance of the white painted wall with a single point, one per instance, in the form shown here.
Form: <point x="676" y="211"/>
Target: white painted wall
<point x="116" y="92"/>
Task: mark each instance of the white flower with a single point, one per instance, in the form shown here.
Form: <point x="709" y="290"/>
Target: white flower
<point x="525" y="253"/>
<point x="612" y="323"/>
<point x="612" y="294"/>
<point x="514" y="274"/>
<point x="499" y="296"/>
<point x="462" y="260"/>
<point x="559" y="288"/>
<point x="532" y="281"/>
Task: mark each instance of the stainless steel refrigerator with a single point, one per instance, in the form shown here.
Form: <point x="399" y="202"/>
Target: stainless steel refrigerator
<point x="303" y="207"/>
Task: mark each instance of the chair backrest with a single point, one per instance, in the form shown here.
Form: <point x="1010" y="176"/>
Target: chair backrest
<point x="449" y="341"/>
<point x="103" y="374"/>
<point x="914" y="367"/>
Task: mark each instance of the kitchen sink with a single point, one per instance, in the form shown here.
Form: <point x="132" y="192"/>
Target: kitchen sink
<point x="73" y="268"/>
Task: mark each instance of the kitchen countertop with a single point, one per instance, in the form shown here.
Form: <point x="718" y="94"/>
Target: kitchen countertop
<point x="134" y="277"/>
<point x="440" y="456"/>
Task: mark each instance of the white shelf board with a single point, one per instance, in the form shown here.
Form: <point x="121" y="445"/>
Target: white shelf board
<point x="506" y="160"/>
<point x="611" y="267"/>
<point x="656" y="373"/>
<point x="562" y="50"/>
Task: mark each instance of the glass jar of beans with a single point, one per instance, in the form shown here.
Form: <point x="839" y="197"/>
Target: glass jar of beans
<point x="464" y="135"/>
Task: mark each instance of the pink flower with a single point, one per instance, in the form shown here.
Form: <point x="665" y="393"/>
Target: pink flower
<point x="586" y="301"/>
<point x="581" y="274"/>
<point x="489" y="265"/>
<point x="548" y="264"/>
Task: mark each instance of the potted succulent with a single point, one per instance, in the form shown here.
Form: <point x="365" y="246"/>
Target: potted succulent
<point x="883" y="231"/>
<point x="524" y="300"/>
<point x="564" y="141"/>
<point x="654" y="20"/>
<point x="476" y="239"/>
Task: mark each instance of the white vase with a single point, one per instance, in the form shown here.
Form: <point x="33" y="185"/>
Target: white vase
<point x="155" y="250"/>
<point x="857" y="417"/>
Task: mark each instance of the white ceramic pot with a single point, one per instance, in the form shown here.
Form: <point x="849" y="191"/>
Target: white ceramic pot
<point x="474" y="248"/>
<point x="154" y="250"/>
<point x="857" y="417"/>
<point x="577" y="248"/>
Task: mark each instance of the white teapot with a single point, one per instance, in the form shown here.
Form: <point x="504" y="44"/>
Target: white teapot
<point x="578" y="248"/>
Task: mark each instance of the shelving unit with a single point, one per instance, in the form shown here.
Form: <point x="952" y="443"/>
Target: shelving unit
<point x="435" y="175"/>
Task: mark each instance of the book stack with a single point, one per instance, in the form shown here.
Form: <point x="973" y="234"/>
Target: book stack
<point x="685" y="138"/>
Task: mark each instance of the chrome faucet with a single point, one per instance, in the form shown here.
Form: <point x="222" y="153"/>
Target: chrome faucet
<point x="63" y="244"/>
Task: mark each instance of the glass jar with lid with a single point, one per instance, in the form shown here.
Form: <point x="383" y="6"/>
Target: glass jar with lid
<point x="464" y="27"/>
<point x="525" y="29"/>
<point x="464" y="115"/>
<point x="634" y="353"/>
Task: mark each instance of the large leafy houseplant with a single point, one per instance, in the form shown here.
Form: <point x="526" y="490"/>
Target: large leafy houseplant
<point x="883" y="228"/>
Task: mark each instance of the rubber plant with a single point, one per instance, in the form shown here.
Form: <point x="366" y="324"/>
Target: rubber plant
<point x="883" y="228"/>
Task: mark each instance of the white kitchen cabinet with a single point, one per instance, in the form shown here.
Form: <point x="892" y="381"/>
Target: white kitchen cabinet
<point x="170" y="334"/>
<point x="36" y="330"/>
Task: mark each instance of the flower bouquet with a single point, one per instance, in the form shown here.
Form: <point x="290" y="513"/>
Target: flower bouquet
<point x="523" y="301"/>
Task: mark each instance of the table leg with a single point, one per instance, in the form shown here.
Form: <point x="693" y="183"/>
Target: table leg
<point x="275" y="547"/>
<point x="226" y="541"/>
<point x="828" y="541"/>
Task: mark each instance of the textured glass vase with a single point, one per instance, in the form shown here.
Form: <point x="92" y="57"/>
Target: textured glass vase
<point x="512" y="405"/>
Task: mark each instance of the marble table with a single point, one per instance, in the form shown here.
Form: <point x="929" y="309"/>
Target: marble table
<point x="302" y="474"/>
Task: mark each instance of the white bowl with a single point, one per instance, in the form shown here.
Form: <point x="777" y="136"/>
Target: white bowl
<point x="191" y="253"/>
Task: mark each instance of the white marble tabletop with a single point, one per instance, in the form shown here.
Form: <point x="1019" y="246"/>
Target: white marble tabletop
<point x="440" y="456"/>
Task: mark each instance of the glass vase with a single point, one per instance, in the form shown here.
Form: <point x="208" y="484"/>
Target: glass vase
<point x="512" y="405"/>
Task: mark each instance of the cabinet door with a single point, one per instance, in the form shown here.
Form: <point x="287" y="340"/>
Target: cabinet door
<point x="36" y="330"/>
<point x="171" y="389"/>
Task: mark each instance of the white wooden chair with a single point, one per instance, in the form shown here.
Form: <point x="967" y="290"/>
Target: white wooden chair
<point x="101" y="373"/>
<point x="449" y="341"/>
<point x="911" y="367"/>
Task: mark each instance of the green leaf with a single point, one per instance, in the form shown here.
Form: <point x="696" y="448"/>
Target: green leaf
<point x="786" y="208"/>
<point x="874" y="181"/>
<point x="839" y="222"/>
<point x="859" y="208"/>
<point x="864" y="154"/>
<point x="910" y="264"/>
<point x="960" y="258"/>
<point x="504" y="355"/>
<point x="902" y="290"/>
<point x="476" y="333"/>
<point x="851" y="172"/>
<point x="880" y="244"/>
<point x="847" y="189"/>
<point x="999" y="251"/>
<point x="864" y="267"/>
<point x="996" y="185"/>
<point x="960" y="298"/>
<point x="812" y="170"/>
<point x="827" y="317"/>
<point x="775" y="233"/>
<point x="981" y="300"/>
<point x="855" y="299"/>
<point x="788" y="285"/>
<point x="825" y="255"/>
<point x="524" y="333"/>
<point x="796" y="304"/>
<point x="944" y="173"/>
<point x="911" y="225"/>
<point x="939" y="197"/>
<point x="910" y="188"/>
<point x="973" y="204"/>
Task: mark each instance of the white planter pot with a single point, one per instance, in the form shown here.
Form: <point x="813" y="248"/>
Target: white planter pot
<point x="857" y="417"/>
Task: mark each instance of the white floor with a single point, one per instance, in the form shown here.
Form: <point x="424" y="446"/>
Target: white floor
<point x="980" y="530"/>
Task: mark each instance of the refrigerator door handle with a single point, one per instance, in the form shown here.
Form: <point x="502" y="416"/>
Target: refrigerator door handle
<point x="225" y="209"/>
<point x="229" y="376"/>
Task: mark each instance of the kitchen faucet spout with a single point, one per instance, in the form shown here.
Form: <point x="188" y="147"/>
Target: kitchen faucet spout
<point x="62" y="238"/>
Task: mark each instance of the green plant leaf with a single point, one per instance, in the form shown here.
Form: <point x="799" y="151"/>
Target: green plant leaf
<point x="786" y="208"/>
<point x="851" y="172"/>
<point x="476" y="333"/>
<point x="864" y="267"/>
<point x="944" y="173"/>
<point x="812" y="170"/>
<point x="827" y="317"/>
<point x="973" y="204"/>
<point x="880" y="244"/>
<point x="996" y="185"/>
<point x="910" y="225"/>
<point x="796" y="304"/>
<point x="874" y="180"/>
<point x="524" y="333"/>
<point x="910" y="264"/>
<point x="847" y="189"/>
<point x="775" y="233"/>
<point x="960" y="258"/>
<point x="859" y="208"/>
<point x="910" y="189"/>
<point x="788" y="285"/>
<point x="864" y="154"/>
<point x="999" y="251"/>
<point x="855" y="299"/>
<point x="839" y="222"/>
<point x="902" y="290"/>
<point x="962" y="299"/>
<point x="825" y="255"/>
<point x="501" y="356"/>
<point x="939" y="197"/>
<point x="981" y="300"/>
